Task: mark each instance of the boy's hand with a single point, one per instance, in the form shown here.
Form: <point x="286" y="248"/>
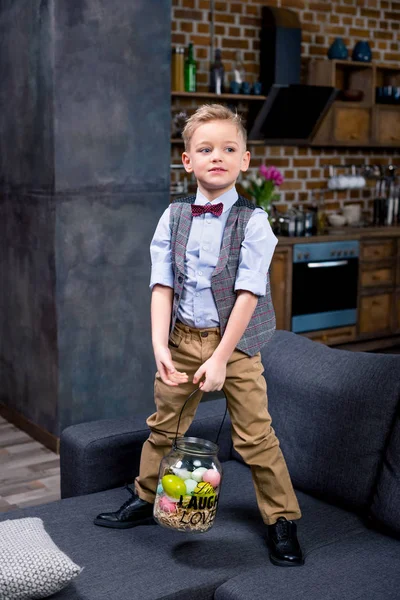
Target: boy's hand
<point x="214" y="371"/>
<point x="166" y="369"/>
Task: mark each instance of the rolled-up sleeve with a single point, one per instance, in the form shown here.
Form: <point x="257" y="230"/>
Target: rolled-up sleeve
<point x="256" y="254"/>
<point x="160" y="252"/>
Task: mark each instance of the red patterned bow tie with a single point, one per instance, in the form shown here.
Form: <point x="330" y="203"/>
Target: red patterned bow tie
<point x="215" y="209"/>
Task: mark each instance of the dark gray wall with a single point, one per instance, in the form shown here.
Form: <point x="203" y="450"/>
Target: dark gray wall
<point x="88" y="102"/>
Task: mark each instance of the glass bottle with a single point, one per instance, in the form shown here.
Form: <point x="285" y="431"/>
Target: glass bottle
<point x="238" y="71"/>
<point x="177" y="69"/>
<point x="190" y="71"/>
<point x="189" y="484"/>
<point x="217" y="74"/>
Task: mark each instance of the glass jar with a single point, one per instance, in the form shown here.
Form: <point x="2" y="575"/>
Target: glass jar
<point x="189" y="484"/>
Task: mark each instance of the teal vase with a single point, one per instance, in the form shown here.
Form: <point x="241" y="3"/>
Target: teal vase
<point x="338" y="50"/>
<point x="362" y="52"/>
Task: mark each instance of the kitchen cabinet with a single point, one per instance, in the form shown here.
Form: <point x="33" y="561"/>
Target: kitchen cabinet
<point x="281" y="286"/>
<point x="365" y="122"/>
<point x="387" y="126"/>
<point x="375" y="314"/>
<point x="397" y="312"/>
<point x="378" y="305"/>
<point x="377" y="287"/>
<point x="351" y="125"/>
<point x="339" y="335"/>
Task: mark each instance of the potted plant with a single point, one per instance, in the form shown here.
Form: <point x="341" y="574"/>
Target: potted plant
<point x="262" y="187"/>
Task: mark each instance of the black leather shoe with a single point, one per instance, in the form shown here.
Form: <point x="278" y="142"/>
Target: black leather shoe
<point x="132" y="513"/>
<point x="283" y="544"/>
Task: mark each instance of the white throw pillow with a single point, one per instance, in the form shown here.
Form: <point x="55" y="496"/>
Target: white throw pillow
<point x="31" y="565"/>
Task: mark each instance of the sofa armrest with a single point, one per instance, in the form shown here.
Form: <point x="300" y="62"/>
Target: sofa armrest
<point x="105" y="454"/>
<point x="100" y="455"/>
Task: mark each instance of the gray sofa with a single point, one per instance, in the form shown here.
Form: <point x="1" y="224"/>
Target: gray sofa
<point x="337" y="415"/>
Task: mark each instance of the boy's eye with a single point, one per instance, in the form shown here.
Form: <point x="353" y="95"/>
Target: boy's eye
<point x="205" y="150"/>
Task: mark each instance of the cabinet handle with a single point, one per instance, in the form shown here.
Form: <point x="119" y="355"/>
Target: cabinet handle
<point x="375" y="303"/>
<point x="353" y="136"/>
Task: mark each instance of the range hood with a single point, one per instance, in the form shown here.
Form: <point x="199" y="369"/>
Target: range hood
<point x="291" y="114"/>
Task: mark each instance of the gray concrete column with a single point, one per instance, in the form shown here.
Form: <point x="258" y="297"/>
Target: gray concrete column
<point x="84" y="177"/>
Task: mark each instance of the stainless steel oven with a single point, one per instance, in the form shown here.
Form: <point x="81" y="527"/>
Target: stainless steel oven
<point x="324" y="286"/>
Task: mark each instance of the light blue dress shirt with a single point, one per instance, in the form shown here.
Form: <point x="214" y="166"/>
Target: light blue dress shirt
<point x="197" y="307"/>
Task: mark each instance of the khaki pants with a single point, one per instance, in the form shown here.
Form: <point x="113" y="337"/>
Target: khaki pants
<point x="252" y="434"/>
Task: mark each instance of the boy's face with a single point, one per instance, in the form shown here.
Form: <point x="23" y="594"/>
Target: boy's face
<point x="216" y="156"/>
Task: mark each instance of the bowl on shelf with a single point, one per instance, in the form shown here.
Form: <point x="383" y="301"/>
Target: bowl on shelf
<point x="351" y="95"/>
<point x="336" y="220"/>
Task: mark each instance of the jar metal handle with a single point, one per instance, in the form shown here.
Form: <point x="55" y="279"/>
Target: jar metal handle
<point x="180" y="415"/>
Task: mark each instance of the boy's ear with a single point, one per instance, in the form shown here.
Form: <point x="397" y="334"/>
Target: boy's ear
<point x="186" y="162"/>
<point x="245" y="161"/>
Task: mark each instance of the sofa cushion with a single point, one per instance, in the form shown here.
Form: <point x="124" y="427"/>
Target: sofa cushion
<point x="363" y="566"/>
<point x="31" y="565"/>
<point x="332" y="411"/>
<point x="153" y="563"/>
<point x="104" y="454"/>
<point x="385" y="507"/>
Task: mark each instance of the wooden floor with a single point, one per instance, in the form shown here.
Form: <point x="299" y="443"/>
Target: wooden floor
<point x="29" y="472"/>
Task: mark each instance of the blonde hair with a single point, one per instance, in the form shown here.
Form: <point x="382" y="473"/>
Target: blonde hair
<point x="212" y="112"/>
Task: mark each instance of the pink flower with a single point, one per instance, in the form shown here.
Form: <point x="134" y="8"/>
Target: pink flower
<point x="271" y="173"/>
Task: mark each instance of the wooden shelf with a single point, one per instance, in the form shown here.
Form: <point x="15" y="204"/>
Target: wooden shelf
<point x="249" y="142"/>
<point x="357" y="64"/>
<point x="362" y="124"/>
<point x="246" y="97"/>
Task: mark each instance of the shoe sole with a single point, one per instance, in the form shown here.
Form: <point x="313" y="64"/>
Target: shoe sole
<point x="285" y="563"/>
<point x="126" y="525"/>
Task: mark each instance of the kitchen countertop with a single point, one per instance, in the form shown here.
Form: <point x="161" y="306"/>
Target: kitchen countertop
<point x="343" y="233"/>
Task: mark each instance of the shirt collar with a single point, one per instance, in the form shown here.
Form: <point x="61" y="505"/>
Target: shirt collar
<point x="228" y="199"/>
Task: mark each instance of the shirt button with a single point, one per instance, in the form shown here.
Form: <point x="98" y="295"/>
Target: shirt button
<point x="205" y="247"/>
<point x="197" y="294"/>
<point x="199" y="272"/>
<point x="198" y="320"/>
<point x="208" y="221"/>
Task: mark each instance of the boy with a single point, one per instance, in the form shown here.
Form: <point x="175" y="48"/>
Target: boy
<point x="211" y="313"/>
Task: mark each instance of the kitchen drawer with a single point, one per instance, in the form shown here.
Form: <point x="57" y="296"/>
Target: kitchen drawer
<point x="378" y="250"/>
<point x="339" y="335"/>
<point x="375" y="315"/>
<point x="377" y="277"/>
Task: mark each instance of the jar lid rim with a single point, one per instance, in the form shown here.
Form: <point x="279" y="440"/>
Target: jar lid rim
<point x="184" y="443"/>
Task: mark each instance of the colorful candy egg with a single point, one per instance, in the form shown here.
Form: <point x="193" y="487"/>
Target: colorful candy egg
<point x="197" y="474"/>
<point x="190" y="485"/>
<point x="167" y="506"/>
<point x="159" y="489"/>
<point x="212" y="477"/>
<point x="182" y="473"/>
<point x="173" y="486"/>
<point x="172" y="499"/>
<point x="204" y="489"/>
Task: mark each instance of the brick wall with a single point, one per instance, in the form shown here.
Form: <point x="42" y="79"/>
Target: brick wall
<point x="237" y="26"/>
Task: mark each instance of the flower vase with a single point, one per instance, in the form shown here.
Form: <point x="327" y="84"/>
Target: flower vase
<point x="362" y="52"/>
<point x="338" y="50"/>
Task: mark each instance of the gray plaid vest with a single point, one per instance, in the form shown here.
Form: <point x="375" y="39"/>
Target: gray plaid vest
<point x="262" y="324"/>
